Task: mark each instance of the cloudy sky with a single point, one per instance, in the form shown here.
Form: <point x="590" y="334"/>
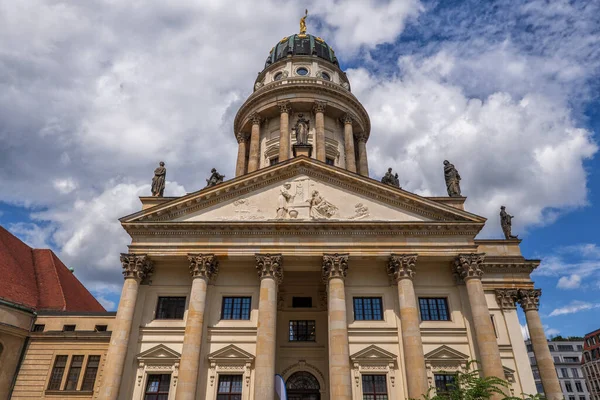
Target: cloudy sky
<point x="94" y="93"/>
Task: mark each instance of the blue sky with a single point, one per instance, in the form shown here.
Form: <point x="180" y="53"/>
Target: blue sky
<point x="93" y="94"/>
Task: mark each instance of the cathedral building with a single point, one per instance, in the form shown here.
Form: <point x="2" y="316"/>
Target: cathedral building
<point x="305" y="273"/>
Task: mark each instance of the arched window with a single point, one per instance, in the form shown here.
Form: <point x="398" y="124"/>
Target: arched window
<point x="303" y="385"/>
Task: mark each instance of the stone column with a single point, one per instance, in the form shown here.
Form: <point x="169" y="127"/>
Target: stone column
<point x="319" y="109"/>
<point x="136" y="267"/>
<point x="467" y="267"/>
<point x="335" y="267"/>
<point x="240" y="166"/>
<point x="270" y="273"/>
<point x="363" y="164"/>
<point x="401" y="268"/>
<point x="529" y="300"/>
<point x="254" y="156"/>
<point x="284" y="130"/>
<point x="349" y="143"/>
<point x="203" y="268"/>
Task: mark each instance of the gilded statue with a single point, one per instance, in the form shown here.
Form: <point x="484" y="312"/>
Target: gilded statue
<point x="303" y="23"/>
<point x="158" y="181"/>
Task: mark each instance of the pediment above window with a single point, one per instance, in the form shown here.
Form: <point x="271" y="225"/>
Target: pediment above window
<point x="159" y="353"/>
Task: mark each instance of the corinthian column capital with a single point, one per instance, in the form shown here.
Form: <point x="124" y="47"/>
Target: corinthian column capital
<point x="347" y="118"/>
<point x="507" y="298"/>
<point x="204" y="266"/>
<point x="256" y="119"/>
<point x="529" y="299"/>
<point x="284" y="107"/>
<point x="269" y="266"/>
<point x="319" y="106"/>
<point x="334" y="266"/>
<point x="361" y="137"/>
<point x="241" y="137"/>
<point x="468" y="266"/>
<point x="402" y="266"/>
<point x="136" y="266"/>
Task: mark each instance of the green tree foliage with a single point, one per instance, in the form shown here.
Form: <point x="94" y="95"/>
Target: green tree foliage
<point x="470" y="384"/>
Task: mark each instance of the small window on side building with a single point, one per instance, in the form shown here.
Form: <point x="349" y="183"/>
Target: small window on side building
<point x="74" y="371"/>
<point x="91" y="370"/>
<point x="274" y="160"/>
<point x="329" y="161"/>
<point x="100" y="328"/>
<point x="60" y="363"/>
<point x="68" y="328"/>
<point x="38" y="328"/>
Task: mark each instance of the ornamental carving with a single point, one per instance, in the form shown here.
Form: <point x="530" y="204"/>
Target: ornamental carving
<point x="136" y="266"/>
<point x="361" y="137"/>
<point x="468" y="266"/>
<point x="402" y="266"/>
<point x="319" y="107"/>
<point x="529" y="299"/>
<point x="269" y="266"/>
<point x="256" y="119"/>
<point x="204" y="266"/>
<point x="507" y="298"/>
<point x="284" y="107"/>
<point x="241" y="138"/>
<point x="347" y="118"/>
<point x="334" y="266"/>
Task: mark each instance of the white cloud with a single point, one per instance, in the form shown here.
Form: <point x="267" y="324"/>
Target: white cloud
<point x="524" y="331"/>
<point x="65" y="186"/>
<point x="569" y="282"/>
<point x="109" y="305"/>
<point x="34" y="235"/>
<point x="574" y="306"/>
<point x="549" y="332"/>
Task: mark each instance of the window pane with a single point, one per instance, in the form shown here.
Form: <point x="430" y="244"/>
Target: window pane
<point x="57" y="372"/>
<point x="374" y="387"/>
<point x="302" y="331"/>
<point x="74" y="371"/>
<point x="368" y="309"/>
<point x="157" y="387"/>
<point x="229" y="384"/>
<point x="236" y="308"/>
<point x="170" y="308"/>
<point x="434" y="309"/>
<point x="91" y="370"/>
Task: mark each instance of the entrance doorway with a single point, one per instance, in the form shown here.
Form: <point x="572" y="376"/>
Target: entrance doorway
<point x="303" y="385"/>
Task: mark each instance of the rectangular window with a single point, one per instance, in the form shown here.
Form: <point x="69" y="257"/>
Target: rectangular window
<point x="170" y="308"/>
<point x="329" y="161"/>
<point x="532" y="360"/>
<point x="564" y="373"/>
<point x="578" y="387"/>
<point x="274" y="160"/>
<point x="571" y="397"/>
<point x="38" y="328"/>
<point x="444" y="383"/>
<point x="575" y="372"/>
<point x="434" y="309"/>
<point x="539" y="387"/>
<point x="568" y="387"/>
<point x="100" y="328"/>
<point x="556" y="359"/>
<point x="536" y="373"/>
<point x="529" y="348"/>
<point x="367" y="309"/>
<point x="91" y="370"/>
<point x="68" y="328"/>
<point x="565" y="347"/>
<point x="551" y="347"/>
<point x="374" y="387"/>
<point x="57" y="372"/>
<point x="230" y="387"/>
<point x="236" y="308"/>
<point x="581" y="397"/>
<point x="302" y="331"/>
<point x="157" y="387"/>
<point x="571" y="359"/>
<point x="301" y="302"/>
<point x="74" y="371"/>
<point x="579" y="347"/>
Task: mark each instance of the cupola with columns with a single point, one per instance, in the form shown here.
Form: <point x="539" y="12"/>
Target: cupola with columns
<point x="302" y="81"/>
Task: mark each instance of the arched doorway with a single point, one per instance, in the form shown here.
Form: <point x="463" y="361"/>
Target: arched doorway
<point x="303" y="385"/>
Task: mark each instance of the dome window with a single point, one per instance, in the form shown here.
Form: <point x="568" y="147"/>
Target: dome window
<point x="302" y="71"/>
<point x="325" y="76"/>
<point x="278" y="76"/>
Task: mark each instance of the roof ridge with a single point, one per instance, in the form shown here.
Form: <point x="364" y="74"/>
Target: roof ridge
<point x="62" y="292"/>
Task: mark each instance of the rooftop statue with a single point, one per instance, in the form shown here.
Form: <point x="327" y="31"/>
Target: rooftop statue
<point x="390" y="179"/>
<point x="452" y="179"/>
<point x="215" y="178"/>
<point x="303" y="23"/>
<point x="506" y="222"/>
<point x="158" y="181"/>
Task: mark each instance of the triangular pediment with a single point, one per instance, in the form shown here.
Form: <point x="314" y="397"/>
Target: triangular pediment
<point x="373" y="353"/>
<point x="445" y="353"/>
<point x="159" y="352"/>
<point x="302" y="190"/>
<point x="231" y="353"/>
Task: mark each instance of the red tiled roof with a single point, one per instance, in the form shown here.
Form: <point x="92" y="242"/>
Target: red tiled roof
<point x="37" y="279"/>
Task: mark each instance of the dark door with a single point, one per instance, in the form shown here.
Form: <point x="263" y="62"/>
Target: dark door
<point x="303" y="385"/>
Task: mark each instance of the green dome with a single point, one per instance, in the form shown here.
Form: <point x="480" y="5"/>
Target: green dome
<point x="301" y="44"/>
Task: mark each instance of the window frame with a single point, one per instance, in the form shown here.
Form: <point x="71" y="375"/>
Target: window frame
<point x="376" y="395"/>
<point x="241" y="308"/>
<point x="447" y="310"/>
<point x="363" y="313"/>
<point x="62" y="374"/>
<point x="158" y="307"/>
<point x="229" y="395"/>
<point x="38" y="328"/>
<point x="69" y="328"/>
<point x="74" y="369"/>
<point x="156" y="394"/>
<point x="85" y="372"/>
<point x="445" y="383"/>
<point x="293" y="333"/>
<point x="568" y="387"/>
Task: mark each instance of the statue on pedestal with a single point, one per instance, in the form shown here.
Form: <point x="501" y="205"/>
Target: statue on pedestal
<point x="301" y="129"/>
<point x="215" y="178"/>
<point x="390" y="179"/>
<point x="506" y="222"/>
<point x="452" y="179"/>
<point x="158" y="181"/>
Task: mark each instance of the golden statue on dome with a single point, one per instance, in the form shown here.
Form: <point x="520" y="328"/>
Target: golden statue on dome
<point x="303" y="23"/>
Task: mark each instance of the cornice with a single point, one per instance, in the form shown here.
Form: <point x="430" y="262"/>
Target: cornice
<point x="295" y="85"/>
<point x="509" y="265"/>
<point x="245" y="184"/>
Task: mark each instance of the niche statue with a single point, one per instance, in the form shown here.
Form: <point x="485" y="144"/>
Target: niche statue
<point x="506" y="222"/>
<point x="452" y="179"/>
<point x="158" y="181"/>
<point x="301" y="129"/>
<point x="215" y="178"/>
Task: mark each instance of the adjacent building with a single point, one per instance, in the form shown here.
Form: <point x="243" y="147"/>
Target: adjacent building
<point x="566" y="355"/>
<point x="591" y="363"/>
<point x="34" y="283"/>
